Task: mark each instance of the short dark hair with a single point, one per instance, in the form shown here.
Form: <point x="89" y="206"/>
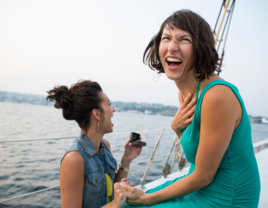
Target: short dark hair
<point x="205" y="54"/>
<point x="77" y="102"/>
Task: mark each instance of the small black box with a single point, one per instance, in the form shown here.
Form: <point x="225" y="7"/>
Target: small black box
<point x="134" y="137"/>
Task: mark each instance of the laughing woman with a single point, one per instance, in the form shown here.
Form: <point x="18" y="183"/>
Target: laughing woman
<point x="217" y="142"/>
<point x="88" y="168"/>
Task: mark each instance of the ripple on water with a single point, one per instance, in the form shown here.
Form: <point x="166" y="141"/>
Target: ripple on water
<point x="18" y="179"/>
<point x="4" y="177"/>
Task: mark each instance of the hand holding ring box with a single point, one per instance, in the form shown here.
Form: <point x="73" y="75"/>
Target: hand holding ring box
<point x="134" y="140"/>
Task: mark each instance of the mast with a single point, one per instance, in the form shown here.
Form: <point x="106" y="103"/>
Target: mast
<point x="226" y="22"/>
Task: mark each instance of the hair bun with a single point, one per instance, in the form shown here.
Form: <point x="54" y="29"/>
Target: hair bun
<point x="60" y="96"/>
<point x="65" y="102"/>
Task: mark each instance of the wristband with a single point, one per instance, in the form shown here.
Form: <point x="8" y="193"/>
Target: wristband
<point x="124" y="169"/>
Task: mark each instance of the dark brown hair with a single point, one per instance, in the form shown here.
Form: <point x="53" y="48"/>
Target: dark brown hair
<point x="205" y="54"/>
<point x="77" y="102"/>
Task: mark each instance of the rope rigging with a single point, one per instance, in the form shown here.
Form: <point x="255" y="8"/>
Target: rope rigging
<point x="227" y="24"/>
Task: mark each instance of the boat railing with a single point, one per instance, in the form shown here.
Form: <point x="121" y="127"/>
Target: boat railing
<point x="165" y="173"/>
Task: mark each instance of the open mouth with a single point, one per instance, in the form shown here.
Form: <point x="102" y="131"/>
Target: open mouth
<point x="173" y="63"/>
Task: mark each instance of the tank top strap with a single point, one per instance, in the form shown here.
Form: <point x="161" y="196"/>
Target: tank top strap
<point x="197" y="89"/>
<point x="209" y="86"/>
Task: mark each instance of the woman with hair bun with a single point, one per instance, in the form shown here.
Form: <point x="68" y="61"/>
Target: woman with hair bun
<point x="212" y="122"/>
<point x="88" y="168"/>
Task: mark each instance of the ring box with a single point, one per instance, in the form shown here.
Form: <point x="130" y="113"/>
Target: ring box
<point x="134" y="140"/>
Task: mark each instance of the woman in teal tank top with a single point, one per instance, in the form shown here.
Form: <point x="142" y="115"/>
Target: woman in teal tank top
<point x="214" y="126"/>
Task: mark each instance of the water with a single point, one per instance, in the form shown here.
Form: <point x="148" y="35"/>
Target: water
<point x="31" y="166"/>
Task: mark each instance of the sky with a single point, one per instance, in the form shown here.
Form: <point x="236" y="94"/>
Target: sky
<point x="50" y="42"/>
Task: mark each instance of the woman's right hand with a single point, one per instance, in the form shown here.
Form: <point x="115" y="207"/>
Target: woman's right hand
<point x="185" y="113"/>
<point x="120" y="196"/>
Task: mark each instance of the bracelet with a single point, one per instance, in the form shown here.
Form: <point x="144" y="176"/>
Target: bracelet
<point x="124" y="169"/>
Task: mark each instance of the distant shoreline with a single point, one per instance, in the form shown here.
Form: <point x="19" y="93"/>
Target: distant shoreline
<point x="132" y="107"/>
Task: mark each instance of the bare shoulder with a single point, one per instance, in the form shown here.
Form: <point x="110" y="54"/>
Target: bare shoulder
<point x="219" y="93"/>
<point x="107" y="143"/>
<point x="220" y="102"/>
<point x="73" y="159"/>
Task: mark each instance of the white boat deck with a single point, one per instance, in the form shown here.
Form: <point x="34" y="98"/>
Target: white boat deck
<point x="261" y="156"/>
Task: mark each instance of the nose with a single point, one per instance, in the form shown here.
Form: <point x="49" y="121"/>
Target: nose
<point x="173" y="46"/>
<point x="113" y="109"/>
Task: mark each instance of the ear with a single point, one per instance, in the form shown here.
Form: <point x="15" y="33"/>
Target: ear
<point x="97" y="114"/>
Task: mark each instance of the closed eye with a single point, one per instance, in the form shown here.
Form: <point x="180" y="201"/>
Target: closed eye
<point x="185" y="39"/>
<point x="167" y="38"/>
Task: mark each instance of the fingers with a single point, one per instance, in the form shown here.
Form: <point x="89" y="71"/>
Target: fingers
<point x="117" y="186"/>
<point x="190" y="112"/>
<point x="191" y="104"/>
<point x="120" y="191"/>
<point x="127" y="143"/>
<point x="187" y="99"/>
<point x="124" y="180"/>
<point x="127" y="187"/>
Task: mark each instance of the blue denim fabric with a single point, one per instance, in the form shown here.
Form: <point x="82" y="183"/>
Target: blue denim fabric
<point x="96" y="165"/>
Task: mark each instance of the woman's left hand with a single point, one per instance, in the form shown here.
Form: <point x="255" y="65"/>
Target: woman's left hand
<point x="131" y="152"/>
<point x="135" y="196"/>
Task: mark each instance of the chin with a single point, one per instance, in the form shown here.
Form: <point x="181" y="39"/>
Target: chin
<point x="172" y="77"/>
<point x="109" y="131"/>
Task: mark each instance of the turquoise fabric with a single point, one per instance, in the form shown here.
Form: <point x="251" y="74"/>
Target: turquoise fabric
<point x="237" y="181"/>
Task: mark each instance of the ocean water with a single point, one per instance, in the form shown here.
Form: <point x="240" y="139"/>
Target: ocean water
<point x="34" y="165"/>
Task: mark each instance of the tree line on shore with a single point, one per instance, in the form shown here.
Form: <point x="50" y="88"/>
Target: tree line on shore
<point x="148" y="108"/>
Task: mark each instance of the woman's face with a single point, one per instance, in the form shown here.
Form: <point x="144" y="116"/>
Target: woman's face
<point x="108" y="112"/>
<point x="176" y="52"/>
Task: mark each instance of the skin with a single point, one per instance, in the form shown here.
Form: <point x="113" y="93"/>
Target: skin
<point x="72" y="177"/>
<point x="220" y="115"/>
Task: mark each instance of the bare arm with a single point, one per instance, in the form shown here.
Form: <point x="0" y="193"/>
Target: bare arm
<point x="72" y="180"/>
<point x="220" y="115"/>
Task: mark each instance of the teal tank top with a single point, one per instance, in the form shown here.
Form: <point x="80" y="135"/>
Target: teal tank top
<point x="236" y="182"/>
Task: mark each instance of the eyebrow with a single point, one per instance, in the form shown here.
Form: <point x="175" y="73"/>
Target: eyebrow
<point x="185" y="36"/>
<point x="182" y="36"/>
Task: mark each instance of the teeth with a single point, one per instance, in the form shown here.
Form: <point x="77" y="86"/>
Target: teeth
<point x="174" y="60"/>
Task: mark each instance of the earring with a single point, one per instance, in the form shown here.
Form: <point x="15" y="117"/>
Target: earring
<point x="159" y="66"/>
<point x="198" y="73"/>
<point x="99" y="128"/>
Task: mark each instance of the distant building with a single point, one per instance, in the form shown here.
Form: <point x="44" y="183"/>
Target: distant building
<point x="148" y="112"/>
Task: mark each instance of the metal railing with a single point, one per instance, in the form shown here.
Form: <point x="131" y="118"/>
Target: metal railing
<point x="70" y="137"/>
<point x="28" y="194"/>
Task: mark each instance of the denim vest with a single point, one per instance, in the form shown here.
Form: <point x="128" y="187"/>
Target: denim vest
<point x="96" y="165"/>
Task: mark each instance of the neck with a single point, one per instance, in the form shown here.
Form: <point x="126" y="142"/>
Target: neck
<point x="95" y="137"/>
<point x="187" y="85"/>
